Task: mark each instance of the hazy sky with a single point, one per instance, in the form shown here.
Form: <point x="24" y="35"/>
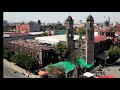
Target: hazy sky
<point x="54" y="17"/>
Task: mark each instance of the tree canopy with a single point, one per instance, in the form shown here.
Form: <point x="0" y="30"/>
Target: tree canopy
<point x="8" y="28"/>
<point x="7" y="53"/>
<point x="113" y="52"/>
<point x="58" y="26"/>
<point x="62" y="51"/>
<point x="24" y="61"/>
<point x="44" y="34"/>
<point x="80" y="30"/>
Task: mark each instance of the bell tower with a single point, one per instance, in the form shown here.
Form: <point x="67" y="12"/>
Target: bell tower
<point x="90" y="40"/>
<point x="70" y="36"/>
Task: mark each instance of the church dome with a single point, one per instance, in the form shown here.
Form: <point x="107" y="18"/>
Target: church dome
<point x="90" y="18"/>
<point x="69" y="18"/>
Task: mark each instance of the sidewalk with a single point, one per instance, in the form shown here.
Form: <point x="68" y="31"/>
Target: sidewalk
<point x="19" y="69"/>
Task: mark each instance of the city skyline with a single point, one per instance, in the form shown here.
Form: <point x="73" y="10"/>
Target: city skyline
<point x="54" y="17"/>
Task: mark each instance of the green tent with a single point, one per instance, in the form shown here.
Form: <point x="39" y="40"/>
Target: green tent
<point x="68" y="66"/>
<point x="82" y="63"/>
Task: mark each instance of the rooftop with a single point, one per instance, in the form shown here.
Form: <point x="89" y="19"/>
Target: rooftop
<point x="18" y="34"/>
<point x="54" y="39"/>
<point x="32" y="44"/>
<point x="118" y="33"/>
<point x="99" y="38"/>
<point x="59" y="38"/>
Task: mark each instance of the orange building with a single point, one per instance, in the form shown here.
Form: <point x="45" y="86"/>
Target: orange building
<point x="24" y="28"/>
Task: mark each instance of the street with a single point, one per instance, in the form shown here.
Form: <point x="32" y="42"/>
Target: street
<point x="9" y="73"/>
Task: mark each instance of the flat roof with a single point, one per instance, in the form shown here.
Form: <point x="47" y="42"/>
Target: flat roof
<point x="31" y="44"/>
<point x="56" y="38"/>
<point x="35" y="33"/>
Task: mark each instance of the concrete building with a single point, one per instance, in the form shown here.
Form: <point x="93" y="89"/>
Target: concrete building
<point x="107" y="30"/>
<point x="42" y="52"/>
<point x="56" y="32"/>
<point x="24" y="28"/>
<point x="30" y="27"/>
<point x="16" y="36"/>
<point x="5" y="22"/>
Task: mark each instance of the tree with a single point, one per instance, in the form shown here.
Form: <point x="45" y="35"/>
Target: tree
<point x="7" y="28"/>
<point x="80" y="30"/>
<point x="44" y="34"/>
<point x="58" y="26"/>
<point x="73" y="58"/>
<point x="62" y="51"/>
<point x="56" y="72"/>
<point x="113" y="53"/>
<point x="8" y="53"/>
<point x="24" y="61"/>
<point x="15" y="58"/>
<point x="30" y="63"/>
<point x="6" y="48"/>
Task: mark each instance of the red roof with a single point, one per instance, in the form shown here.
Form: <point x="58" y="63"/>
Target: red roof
<point x="99" y="38"/>
<point x="18" y="34"/>
<point x="118" y="33"/>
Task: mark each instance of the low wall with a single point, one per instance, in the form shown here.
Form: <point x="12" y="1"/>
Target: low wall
<point x="19" y="69"/>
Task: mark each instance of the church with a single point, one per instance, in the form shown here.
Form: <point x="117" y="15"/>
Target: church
<point x="89" y="45"/>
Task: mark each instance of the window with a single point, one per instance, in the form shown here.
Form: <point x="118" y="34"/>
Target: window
<point x="108" y="34"/>
<point x="102" y="33"/>
<point x="38" y="56"/>
<point x="31" y="53"/>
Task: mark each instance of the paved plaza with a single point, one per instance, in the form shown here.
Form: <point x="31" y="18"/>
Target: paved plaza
<point x="113" y="70"/>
